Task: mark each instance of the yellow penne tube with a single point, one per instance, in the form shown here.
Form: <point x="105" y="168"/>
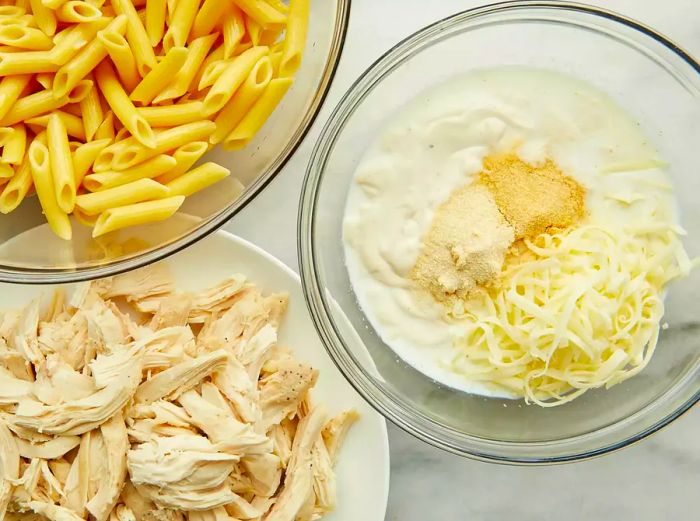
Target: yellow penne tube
<point x="45" y="79"/>
<point x="156" y="80"/>
<point x="212" y="73"/>
<point x="261" y="12"/>
<point x="258" y="114"/>
<point x="275" y="61"/>
<point x="53" y="4"/>
<point x="86" y="60"/>
<point x="173" y="115"/>
<point x="122" y="57"/>
<point x="15" y="145"/>
<point x="42" y="102"/>
<point x="16" y="190"/>
<point x="295" y="37"/>
<point x="136" y="36"/>
<point x="242" y="101"/>
<point x="130" y="193"/>
<point x="233" y="29"/>
<point x="232" y="78"/>
<point x="208" y="16"/>
<point x="147" y="170"/>
<point x="70" y="41"/>
<point x="155" y="21"/>
<point x="13" y="11"/>
<point x="61" y="163"/>
<point x="197" y="52"/>
<point x="91" y="109"/>
<point x="7" y="172"/>
<point x="77" y="11"/>
<point x="197" y="179"/>
<point x="29" y="62"/>
<point x="180" y="24"/>
<point x="73" y="124"/>
<point x="43" y="183"/>
<point x="135" y="214"/>
<point x="254" y="30"/>
<point x="106" y="128"/>
<point x="214" y="56"/>
<point x="25" y="38"/>
<point x="271" y="36"/>
<point x="122" y="106"/>
<point x="279" y="5"/>
<point x="10" y="89"/>
<point x="84" y="219"/>
<point x="129" y="152"/>
<point x="44" y="17"/>
<point x="186" y="156"/>
<point x="84" y="156"/>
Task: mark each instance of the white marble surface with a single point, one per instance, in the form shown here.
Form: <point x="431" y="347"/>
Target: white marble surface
<point x="658" y="479"/>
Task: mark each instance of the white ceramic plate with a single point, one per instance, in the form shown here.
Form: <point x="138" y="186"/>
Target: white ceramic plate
<point x="363" y="466"/>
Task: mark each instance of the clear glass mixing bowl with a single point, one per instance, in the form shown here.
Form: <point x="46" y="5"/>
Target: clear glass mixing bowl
<point x="646" y="73"/>
<point x="29" y="253"/>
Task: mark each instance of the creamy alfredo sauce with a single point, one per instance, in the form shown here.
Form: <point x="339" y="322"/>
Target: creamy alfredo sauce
<point x="436" y="144"/>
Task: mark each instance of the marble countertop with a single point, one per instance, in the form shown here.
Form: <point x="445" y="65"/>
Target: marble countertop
<point x="654" y="480"/>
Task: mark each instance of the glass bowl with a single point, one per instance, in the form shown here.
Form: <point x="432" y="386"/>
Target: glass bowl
<point x="647" y="74"/>
<point x="29" y="253"/>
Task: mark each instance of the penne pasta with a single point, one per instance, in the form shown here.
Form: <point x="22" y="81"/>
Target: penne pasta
<point x="61" y="163"/>
<point x="130" y="152"/>
<point x="10" y="89"/>
<point x="12" y="11"/>
<point x="135" y="214"/>
<point x="53" y="4"/>
<point x="16" y="190"/>
<point x="186" y="156"/>
<point x="15" y="145"/>
<point x="85" y="61"/>
<point x="136" y="36"/>
<point x="70" y="41"/>
<point x="84" y="156"/>
<point x="173" y="115"/>
<point x="84" y="219"/>
<point x="242" y="101"/>
<point x="43" y="183"/>
<point x="149" y="169"/>
<point x="6" y="173"/>
<point x="91" y="110"/>
<point x="74" y="125"/>
<point x="77" y="11"/>
<point x="44" y="17"/>
<point x="122" y="58"/>
<point x="197" y="52"/>
<point x="262" y="12"/>
<point x="258" y="114"/>
<point x="25" y="38"/>
<point x="208" y="17"/>
<point x="45" y="79"/>
<point x="42" y="102"/>
<point x="181" y="23"/>
<point x="295" y="37"/>
<point x="212" y="73"/>
<point x="279" y="5"/>
<point x="159" y="77"/>
<point x="232" y="78"/>
<point x="122" y="106"/>
<point x="233" y="29"/>
<point x="197" y="179"/>
<point x="155" y="21"/>
<point x="214" y="56"/>
<point x="130" y="193"/>
<point x="106" y="128"/>
<point x="254" y="30"/>
<point x="28" y="62"/>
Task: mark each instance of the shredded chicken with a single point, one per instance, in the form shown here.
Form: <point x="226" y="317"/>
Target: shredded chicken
<point x="160" y="406"/>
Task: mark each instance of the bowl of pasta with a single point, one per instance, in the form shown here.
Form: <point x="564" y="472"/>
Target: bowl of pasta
<point x="509" y="227"/>
<point x="116" y="118"/>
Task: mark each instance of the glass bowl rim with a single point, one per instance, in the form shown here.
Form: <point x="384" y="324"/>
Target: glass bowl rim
<point x="386" y="402"/>
<point x="18" y="275"/>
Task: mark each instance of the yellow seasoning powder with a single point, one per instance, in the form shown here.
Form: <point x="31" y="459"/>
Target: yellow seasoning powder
<point x="473" y="231"/>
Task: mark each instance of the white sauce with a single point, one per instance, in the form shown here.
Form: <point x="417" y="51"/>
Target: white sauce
<point x="437" y="143"/>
